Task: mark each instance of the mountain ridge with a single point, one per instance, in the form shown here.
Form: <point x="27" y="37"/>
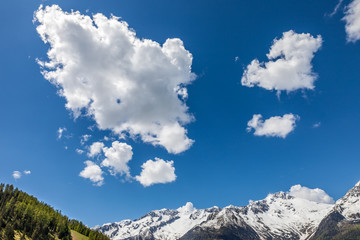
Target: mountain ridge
<point x="278" y="216"/>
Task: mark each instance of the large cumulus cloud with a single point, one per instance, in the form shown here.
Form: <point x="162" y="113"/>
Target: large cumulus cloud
<point x="126" y="84"/>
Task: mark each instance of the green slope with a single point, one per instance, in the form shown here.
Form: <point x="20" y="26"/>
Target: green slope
<point x="23" y="217"/>
<point x="78" y="236"/>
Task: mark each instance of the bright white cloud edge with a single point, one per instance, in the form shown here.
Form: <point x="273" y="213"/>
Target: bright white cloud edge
<point x="289" y="67"/>
<point x="117" y="157"/>
<point x="155" y="172"/>
<point x="95" y="149"/>
<point x="126" y="84"/>
<point x="60" y="132"/>
<point x="277" y="126"/>
<point x="93" y="172"/>
<point x="16" y="175"/>
<point x="352" y="20"/>
<point x="316" y="195"/>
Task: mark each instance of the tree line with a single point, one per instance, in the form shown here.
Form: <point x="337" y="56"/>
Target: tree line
<point x="25" y="214"/>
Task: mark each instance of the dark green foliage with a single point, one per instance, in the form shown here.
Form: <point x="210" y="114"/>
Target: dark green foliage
<point x="9" y="232"/>
<point x="25" y="214"/>
<point x="353" y="233"/>
<point x="29" y="216"/>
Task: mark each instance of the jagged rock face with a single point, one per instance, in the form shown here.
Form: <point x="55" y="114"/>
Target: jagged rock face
<point x="349" y="205"/>
<point x="343" y="216"/>
<point x="329" y="226"/>
<point x="222" y="233"/>
<point x="226" y="224"/>
<point x="279" y="216"/>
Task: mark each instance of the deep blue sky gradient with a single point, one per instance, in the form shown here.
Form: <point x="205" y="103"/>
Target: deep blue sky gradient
<point x="226" y="165"/>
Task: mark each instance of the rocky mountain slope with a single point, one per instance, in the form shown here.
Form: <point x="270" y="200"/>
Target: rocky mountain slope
<point x="278" y="216"/>
<point x="344" y="217"/>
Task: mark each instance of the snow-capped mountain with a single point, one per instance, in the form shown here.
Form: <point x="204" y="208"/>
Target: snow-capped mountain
<point x="344" y="217"/>
<point x="159" y="224"/>
<point x="349" y="205"/>
<point x="278" y="216"/>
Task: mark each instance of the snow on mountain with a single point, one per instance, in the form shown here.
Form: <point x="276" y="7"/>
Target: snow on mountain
<point x="300" y="214"/>
<point x="283" y="216"/>
<point x="349" y="205"/>
<point x="279" y="215"/>
<point x="160" y="224"/>
<point x="343" y="217"/>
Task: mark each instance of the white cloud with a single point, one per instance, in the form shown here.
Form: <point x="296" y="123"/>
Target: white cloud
<point x="60" y="132"/>
<point x="84" y="139"/>
<point x="336" y="8"/>
<point x="315" y="195"/>
<point x="127" y="84"/>
<point x="187" y="208"/>
<point x="79" y="151"/>
<point x="95" y="149"/>
<point x="276" y="126"/>
<point x="352" y="19"/>
<point x="316" y="125"/>
<point x="93" y="172"/>
<point x="289" y="67"/>
<point x="16" y="175"/>
<point x="158" y="171"/>
<point x="117" y="158"/>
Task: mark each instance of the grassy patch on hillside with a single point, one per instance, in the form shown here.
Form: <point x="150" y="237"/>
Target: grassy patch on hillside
<point x="78" y="236"/>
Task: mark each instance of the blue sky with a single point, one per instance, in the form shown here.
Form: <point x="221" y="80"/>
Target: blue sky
<point x="226" y="164"/>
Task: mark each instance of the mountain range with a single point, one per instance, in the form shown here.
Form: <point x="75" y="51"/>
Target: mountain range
<point x="278" y="216"/>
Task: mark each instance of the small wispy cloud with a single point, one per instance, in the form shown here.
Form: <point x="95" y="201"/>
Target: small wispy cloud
<point x="336" y="8"/>
<point x="85" y="138"/>
<point x="316" y="125"/>
<point x="79" y="151"/>
<point x="18" y="174"/>
<point x="60" y="132"/>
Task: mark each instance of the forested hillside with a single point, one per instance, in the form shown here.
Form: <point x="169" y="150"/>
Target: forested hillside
<point x="23" y="215"/>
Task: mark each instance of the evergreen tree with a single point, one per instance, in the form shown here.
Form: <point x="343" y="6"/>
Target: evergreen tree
<point x="25" y="214"/>
<point x="9" y="232"/>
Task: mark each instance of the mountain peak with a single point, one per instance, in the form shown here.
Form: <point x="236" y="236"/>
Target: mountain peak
<point x="358" y="184"/>
<point x="349" y="205"/>
<point x="294" y="214"/>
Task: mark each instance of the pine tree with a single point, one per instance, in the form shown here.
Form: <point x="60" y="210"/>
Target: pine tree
<point x="9" y="232"/>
